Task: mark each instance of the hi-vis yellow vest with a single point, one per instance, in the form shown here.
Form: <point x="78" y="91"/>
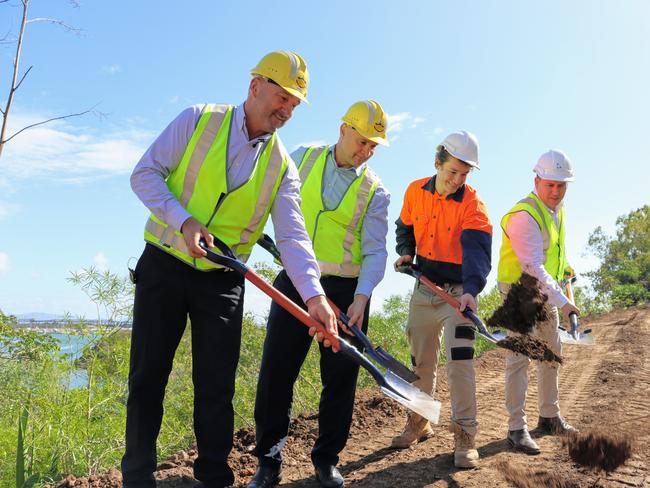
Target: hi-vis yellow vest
<point x="552" y="235"/>
<point x="335" y="234"/>
<point x="235" y="215"/>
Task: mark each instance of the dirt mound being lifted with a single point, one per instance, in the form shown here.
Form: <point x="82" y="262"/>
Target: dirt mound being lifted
<point x="523" y="308"/>
<point x="531" y="347"/>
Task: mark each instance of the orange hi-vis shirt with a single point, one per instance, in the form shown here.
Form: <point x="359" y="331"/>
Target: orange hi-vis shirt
<point x="451" y="236"/>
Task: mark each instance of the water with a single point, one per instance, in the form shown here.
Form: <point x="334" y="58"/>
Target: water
<point x="73" y="345"/>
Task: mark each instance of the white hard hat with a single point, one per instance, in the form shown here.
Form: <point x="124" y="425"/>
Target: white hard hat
<point x="462" y="145"/>
<point x="554" y="165"/>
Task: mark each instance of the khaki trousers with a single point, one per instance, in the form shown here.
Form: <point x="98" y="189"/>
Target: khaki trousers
<point x="429" y="318"/>
<point x="548" y="397"/>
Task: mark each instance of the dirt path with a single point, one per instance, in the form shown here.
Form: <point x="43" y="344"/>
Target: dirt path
<point x="600" y="386"/>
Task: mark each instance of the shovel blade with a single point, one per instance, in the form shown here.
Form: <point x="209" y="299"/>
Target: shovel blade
<point x="411" y="397"/>
<point x="585" y="338"/>
<point x="392" y="364"/>
<point x="499" y="335"/>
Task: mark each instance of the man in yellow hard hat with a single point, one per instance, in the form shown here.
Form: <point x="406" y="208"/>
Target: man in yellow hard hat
<point x="533" y="241"/>
<point x="346" y="210"/>
<point x="215" y="170"/>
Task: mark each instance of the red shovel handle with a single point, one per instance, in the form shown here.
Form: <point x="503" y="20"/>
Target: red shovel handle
<point x="440" y="292"/>
<point x="282" y="300"/>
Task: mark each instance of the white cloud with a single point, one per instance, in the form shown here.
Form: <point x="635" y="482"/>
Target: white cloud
<point x="8" y="209"/>
<point x="437" y="131"/>
<point x="112" y="69"/>
<point x="62" y="150"/>
<point x="398" y="121"/>
<point x="100" y="261"/>
<point x="4" y="263"/>
<point x="318" y="142"/>
<point x="173" y="100"/>
<point x="417" y="121"/>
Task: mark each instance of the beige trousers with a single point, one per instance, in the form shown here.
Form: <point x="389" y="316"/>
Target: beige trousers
<point x="429" y="318"/>
<point x="548" y="396"/>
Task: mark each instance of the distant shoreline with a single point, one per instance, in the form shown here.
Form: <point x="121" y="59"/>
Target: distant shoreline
<point x="68" y="327"/>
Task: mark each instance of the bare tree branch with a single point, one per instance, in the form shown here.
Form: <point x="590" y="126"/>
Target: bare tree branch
<point x="16" y="83"/>
<point x="12" y="90"/>
<point x="22" y="78"/>
<point x="90" y="110"/>
<point x="67" y="27"/>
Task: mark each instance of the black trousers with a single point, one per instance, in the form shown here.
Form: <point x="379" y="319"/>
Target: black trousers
<point x="167" y="291"/>
<point x="285" y="348"/>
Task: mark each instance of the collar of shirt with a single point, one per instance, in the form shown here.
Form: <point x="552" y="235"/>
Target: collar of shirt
<point x="457" y="196"/>
<point x="332" y="160"/>
<point x="240" y="125"/>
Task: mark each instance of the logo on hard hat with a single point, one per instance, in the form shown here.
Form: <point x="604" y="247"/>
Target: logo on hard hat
<point x="300" y="81"/>
<point x="379" y="127"/>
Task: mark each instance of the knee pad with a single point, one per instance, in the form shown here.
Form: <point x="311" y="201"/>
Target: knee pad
<point x="464" y="332"/>
<point x="461" y="353"/>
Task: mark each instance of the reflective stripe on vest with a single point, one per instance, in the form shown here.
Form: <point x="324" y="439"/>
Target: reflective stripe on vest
<point x="236" y="215"/>
<point x="335" y="233"/>
<point x="555" y="263"/>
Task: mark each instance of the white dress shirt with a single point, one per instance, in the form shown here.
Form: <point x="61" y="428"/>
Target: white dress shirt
<point x="528" y="244"/>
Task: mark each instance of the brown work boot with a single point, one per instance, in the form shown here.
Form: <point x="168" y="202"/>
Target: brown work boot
<point x="417" y="429"/>
<point x="555" y="426"/>
<point x="465" y="453"/>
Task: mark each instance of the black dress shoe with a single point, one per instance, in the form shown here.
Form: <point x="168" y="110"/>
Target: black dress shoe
<point x="520" y="440"/>
<point x="555" y="426"/>
<point x="266" y="477"/>
<point x="328" y="476"/>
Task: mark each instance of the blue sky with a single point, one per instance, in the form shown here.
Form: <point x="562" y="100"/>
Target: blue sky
<point x="523" y="76"/>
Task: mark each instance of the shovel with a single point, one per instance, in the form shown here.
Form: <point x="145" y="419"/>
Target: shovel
<point x="494" y="337"/>
<point x="380" y="356"/>
<point x="391" y="384"/>
<point x="573" y="335"/>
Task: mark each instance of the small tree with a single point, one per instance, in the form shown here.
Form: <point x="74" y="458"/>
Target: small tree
<point x="16" y="82"/>
<point x="624" y="272"/>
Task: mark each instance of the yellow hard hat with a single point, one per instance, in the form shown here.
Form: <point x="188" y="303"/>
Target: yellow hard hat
<point x="369" y="120"/>
<point x="287" y="69"/>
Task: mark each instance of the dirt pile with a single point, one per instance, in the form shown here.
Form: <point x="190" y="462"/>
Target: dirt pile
<point x="112" y="479"/>
<point x="600" y="450"/>
<point x="523" y="307"/>
<point x="529" y="478"/>
<point x="531" y="347"/>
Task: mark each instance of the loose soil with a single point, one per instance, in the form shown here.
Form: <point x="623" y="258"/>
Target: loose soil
<point x="531" y="347"/>
<point x="600" y="450"/>
<point x="601" y="386"/>
<point x="523" y="308"/>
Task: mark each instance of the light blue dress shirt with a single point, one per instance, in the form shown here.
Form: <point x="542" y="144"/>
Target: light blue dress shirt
<point x="374" y="227"/>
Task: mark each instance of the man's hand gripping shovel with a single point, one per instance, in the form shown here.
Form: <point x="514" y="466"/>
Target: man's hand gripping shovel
<point x="573" y="335"/>
<point x="391" y="384"/>
<point x="494" y="337"/>
<point x="380" y="356"/>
